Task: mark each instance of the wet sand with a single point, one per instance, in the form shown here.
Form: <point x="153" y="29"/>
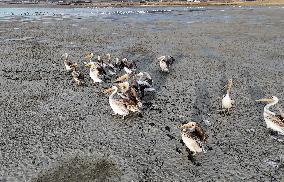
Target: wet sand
<point x="52" y="130"/>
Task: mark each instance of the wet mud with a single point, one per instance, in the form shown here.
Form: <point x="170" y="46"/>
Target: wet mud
<point x="52" y="130"/>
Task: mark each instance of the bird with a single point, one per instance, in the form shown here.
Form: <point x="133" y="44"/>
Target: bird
<point x="108" y="66"/>
<point x="165" y="62"/>
<point x="127" y="65"/>
<point x="142" y="82"/>
<point x="193" y="136"/>
<point x="77" y="76"/>
<point x="67" y="62"/>
<point x="227" y="102"/>
<point x="120" y="106"/>
<point x="130" y="92"/>
<point x="96" y="72"/>
<point x="273" y="121"/>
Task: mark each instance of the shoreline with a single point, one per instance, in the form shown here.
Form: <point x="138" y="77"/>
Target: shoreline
<point x="146" y="4"/>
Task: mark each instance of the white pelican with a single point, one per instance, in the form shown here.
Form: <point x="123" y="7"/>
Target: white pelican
<point x="193" y="137"/>
<point x="273" y="121"/>
<point x="227" y="102"/>
<point x="165" y="62"/>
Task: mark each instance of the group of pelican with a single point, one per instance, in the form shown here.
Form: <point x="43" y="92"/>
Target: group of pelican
<point x="130" y="86"/>
<point x="272" y="120"/>
<point x="195" y="138"/>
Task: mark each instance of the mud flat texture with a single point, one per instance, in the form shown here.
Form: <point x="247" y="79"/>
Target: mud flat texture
<point x="51" y="130"/>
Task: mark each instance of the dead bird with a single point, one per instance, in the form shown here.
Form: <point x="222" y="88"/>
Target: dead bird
<point x="194" y="137"/>
<point x="165" y="62"/>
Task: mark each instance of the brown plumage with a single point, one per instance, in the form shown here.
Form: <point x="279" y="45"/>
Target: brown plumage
<point x="195" y="129"/>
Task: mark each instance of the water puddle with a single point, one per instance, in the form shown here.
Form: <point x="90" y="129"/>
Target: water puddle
<point x="19" y="39"/>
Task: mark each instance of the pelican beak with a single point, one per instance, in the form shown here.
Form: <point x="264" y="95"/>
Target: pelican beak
<point x="108" y="90"/>
<point x="264" y="100"/>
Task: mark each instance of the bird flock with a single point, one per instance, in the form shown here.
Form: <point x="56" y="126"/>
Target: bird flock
<point x="129" y="87"/>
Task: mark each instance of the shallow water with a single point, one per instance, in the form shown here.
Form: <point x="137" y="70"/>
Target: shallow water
<point x="144" y="13"/>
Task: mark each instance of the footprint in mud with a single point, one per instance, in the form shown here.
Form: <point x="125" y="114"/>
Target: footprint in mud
<point x="202" y="104"/>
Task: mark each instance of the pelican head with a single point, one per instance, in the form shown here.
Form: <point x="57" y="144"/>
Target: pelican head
<point x="268" y="100"/>
<point x="116" y="60"/>
<point x="190" y="125"/>
<point x="124" y="60"/>
<point x="161" y="58"/>
<point x="124" y="86"/>
<point x="89" y="55"/>
<point x="108" y="56"/>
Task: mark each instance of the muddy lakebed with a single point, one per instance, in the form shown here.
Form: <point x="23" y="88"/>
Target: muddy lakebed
<point x="52" y="130"/>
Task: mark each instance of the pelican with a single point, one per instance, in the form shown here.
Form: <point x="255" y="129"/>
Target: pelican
<point x="138" y="81"/>
<point x="120" y="106"/>
<point x="67" y="62"/>
<point x="165" y="62"/>
<point x="96" y="72"/>
<point x="193" y="136"/>
<point x="144" y="83"/>
<point x="108" y="66"/>
<point x="273" y="121"/>
<point x="130" y="92"/>
<point x="77" y="76"/>
<point x="227" y="102"/>
<point x="128" y="66"/>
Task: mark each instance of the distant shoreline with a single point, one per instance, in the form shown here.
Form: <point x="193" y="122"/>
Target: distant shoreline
<point x="145" y="4"/>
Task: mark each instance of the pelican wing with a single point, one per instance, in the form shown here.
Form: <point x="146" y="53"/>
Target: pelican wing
<point x="101" y="71"/>
<point x="200" y="133"/>
<point x="278" y="120"/>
